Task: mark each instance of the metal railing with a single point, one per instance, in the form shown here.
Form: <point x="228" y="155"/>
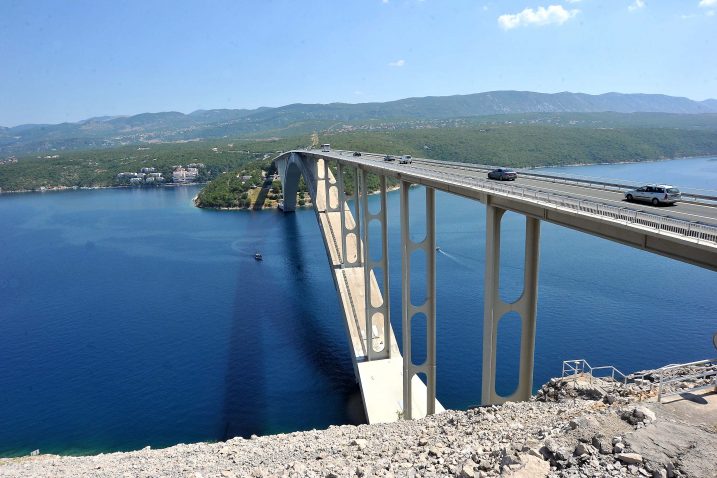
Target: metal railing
<point x="576" y="368"/>
<point x="707" y="372"/>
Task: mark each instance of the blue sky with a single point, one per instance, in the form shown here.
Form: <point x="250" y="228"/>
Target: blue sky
<point x="67" y="60"/>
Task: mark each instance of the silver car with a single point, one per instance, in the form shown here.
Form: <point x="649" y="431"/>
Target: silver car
<point x="655" y="194"/>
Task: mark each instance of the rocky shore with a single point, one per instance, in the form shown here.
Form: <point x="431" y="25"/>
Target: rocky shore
<point x="572" y="428"/>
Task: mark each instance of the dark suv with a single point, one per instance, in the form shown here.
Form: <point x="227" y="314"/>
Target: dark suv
<point x="503" y="174"/>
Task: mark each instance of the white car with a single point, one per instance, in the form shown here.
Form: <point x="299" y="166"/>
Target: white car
<point x="405" y="159"/>
<point x="655" y="194"/>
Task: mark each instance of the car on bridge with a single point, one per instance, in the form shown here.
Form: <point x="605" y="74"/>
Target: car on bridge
<point x="503" y="174"/>
<point x="655" y="194"/>
<point x="357" y="153"/>
<point x="388" y="157"/>
<point x="405" y="159"/>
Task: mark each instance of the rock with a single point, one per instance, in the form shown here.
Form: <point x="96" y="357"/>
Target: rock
<point x="562" y="454"/>
<point x="629" y="458"/>
<point x="619" y="447"/>
<point x="435" y="451"/>
<point x="359" y="442"/>
<point x="645" y="414"/>
<point x="581" y="449"/>
<point x="467" y="470"/>
<point x="602" y="444"/>
<point x="551" y="445"/>
<point x="661" y="473"/>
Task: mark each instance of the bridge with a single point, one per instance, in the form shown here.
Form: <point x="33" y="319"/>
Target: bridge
<point x="389" y="382"/>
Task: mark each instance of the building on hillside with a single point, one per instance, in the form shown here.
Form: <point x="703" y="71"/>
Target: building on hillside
<point x="185" y="175"/>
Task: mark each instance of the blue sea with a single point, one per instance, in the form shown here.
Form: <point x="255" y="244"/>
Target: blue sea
<point x="130" y="318"/>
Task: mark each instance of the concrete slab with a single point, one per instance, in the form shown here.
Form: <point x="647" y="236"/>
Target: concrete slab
<point x="697" y="408"/>
<point x="382" y="389"/>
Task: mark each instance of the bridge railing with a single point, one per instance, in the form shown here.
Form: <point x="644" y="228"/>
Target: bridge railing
<point x="697" y="231"/>
<point x="703" y="196"/>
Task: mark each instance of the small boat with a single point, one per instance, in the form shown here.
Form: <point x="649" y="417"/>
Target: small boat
<point x="438" y="249"/>
<point x="258" y="257"/>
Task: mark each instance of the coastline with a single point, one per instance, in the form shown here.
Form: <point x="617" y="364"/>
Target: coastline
<point x="91" y="188"/>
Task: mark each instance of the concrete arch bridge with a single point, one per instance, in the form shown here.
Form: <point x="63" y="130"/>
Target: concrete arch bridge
<point x="390" y="383"/>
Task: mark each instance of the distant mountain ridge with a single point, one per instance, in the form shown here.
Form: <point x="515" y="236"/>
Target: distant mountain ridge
<point x="173" y="126"/>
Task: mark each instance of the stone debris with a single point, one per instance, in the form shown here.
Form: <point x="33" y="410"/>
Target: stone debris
<point x="566" y="431"/>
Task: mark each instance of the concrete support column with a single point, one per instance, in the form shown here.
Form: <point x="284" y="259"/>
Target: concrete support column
<point x="494" y="308"/>
<point x="370" y="265"/>
<point x="358" y="191"/>
<point x="355" y="229"/>
<point x="328" y="185"/>
<point x="342" y="210"/>
<point x="428" y="308"/>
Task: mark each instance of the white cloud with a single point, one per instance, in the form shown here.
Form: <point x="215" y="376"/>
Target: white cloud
<point x="708" y="3"/>
<point x="711" y="13"/>
<point x="573" y="1"/>
<point x="554" y="14"/>
<point x="384" y="1"/>
<point x="637" y="5"/>
<point x="397" y="63"/>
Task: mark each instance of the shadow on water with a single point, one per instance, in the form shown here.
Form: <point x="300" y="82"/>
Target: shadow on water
<point x="258" y="321"/>
<point x="245" y="382"/>
<point x="327" y="355"/>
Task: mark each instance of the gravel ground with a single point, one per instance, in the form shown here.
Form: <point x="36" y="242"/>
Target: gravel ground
<point x="570" y="436"/>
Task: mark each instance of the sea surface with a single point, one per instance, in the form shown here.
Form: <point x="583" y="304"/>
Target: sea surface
<point x="130" y="318"/>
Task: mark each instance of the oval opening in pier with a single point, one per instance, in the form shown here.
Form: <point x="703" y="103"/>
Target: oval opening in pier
<point x="512" y="256"/>
<point x="418" y="339"/>
<point x="508" y="354"/>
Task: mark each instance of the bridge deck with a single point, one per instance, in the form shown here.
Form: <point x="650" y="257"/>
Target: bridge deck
<point x="381" y="381"/>
<point x="686" y="231"/>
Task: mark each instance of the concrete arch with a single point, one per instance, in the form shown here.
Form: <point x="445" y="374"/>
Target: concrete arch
<point x="293" y="166"/>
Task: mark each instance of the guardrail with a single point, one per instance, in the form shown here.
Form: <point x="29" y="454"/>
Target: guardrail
<point x="709" y="372"/>
<point x="612" y="185"/>
<point x="698" y="231"/>
<point x="575" y="368"/>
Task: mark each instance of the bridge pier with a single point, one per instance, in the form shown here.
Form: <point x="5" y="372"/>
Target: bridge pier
<point x="495" y="309"/>
<point x="349" y="231"/>
<point x="428" y="308"/>
<point x="370" y="265"/>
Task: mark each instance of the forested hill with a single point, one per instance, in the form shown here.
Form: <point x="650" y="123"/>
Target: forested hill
<point x="296" y="119"/>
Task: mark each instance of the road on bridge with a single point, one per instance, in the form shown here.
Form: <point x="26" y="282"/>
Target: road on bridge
<point x="685" y="210"/>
